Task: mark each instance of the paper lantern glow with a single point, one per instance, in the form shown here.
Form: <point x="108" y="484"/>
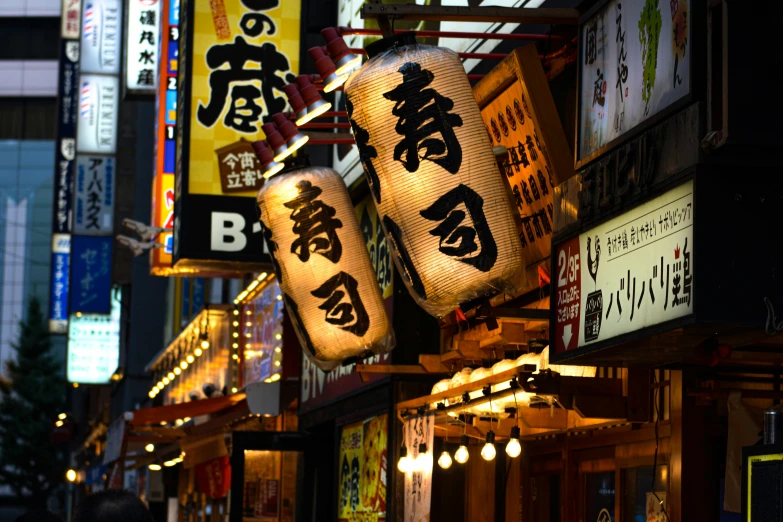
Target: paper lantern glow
<point x="320" y="256"/>
<point x="429" y="163"/>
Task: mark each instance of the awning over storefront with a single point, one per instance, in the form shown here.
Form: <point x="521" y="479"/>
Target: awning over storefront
<point x="172" y="412"/>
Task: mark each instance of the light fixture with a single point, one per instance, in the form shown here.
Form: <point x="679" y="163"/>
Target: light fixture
<point x="149" y="448"/>
<point x="197" y="352"/>
<point x="236" y="311"/>
<point x="62" y="416"/>
<point x="295" y="100"/>
<point x="455" y="169"/>
<point x="317" y="274"/>
<point x="277" y="363"/>
<point x="177" y="370"/>
<point x="154" y="467"/>
<point x="71" y="475"/>
<point x="235" y="357"/>
<point x="514" y="448"/>
<point x="344" y="60"/>
<point x="233" y="390"/>
<point x="170" y="463"/>
<point x="404" y="464"/>
<point x="278" y="336"/>
<point x="166" y="381"/>
<point x="444" y="461"/>
<point x="293" y="138"/>
<point x="235" y="323"/>
<point x="235" y="334"/>
<point x="462" y="454"/>
<point x="248" y="323"/>
<point x="269" y="167"/>
<point x="183" y="365"/>
<point x="204" y="342"/>
<point x="76" y="385"/>
<point x="78" y="314"/>
<point x="488" y="451"/>
<point x="171" y="376"/>
<point x="279" y="297"/>
<point x="151" y="394"/>
<point x="326" y="69"/>
<point x="248" y="312"/>
<point x="278" y="349"/>
<point x="315" y="105"/>
<point x="275" y="142"/>
<point x="275" y="377"/>
<point x="235" y="345"/>
<point x="178" y="422"/>
<point x="423" y="460"/>
<point x="186" y="419"/>
<point x="59" y="424"/>
<point x="190" y="359"/>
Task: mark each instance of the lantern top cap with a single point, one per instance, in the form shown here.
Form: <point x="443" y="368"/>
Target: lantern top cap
<point x="384" y="44"/>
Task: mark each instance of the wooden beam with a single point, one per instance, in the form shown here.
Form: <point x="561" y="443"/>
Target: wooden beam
<point x="433" y="364"/>
<point x="390" y="369"/>
<point x="552" y="419"/>
<point x="472" y="14"/>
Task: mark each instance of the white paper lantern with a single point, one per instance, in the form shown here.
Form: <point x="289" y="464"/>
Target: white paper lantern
<point x="324" y="270"/>
<point x="441" y="198"/>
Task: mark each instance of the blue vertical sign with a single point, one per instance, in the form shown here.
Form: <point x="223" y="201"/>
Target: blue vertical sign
<point x="58" y="300"/>
<point x="91" y="263"/>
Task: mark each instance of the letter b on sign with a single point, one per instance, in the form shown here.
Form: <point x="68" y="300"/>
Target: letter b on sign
<point x="227" y="232"/>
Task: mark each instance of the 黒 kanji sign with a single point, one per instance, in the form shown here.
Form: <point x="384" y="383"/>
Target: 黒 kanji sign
<point x="94" y="195"/>
<point x="142" y="32"/>
<point x="631" y="272"/>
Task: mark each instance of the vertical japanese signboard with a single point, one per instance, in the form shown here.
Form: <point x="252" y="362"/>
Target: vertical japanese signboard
<point x="522" y="118"/>
<point x="65" y="156"/>
<point x="418" y="483"/>
<point x="363" y="465"/>
<point x="70" y="19"/>
<point x="94" y="344"/>
<point x="236" y="57"/>
<point x="142" y="32"/>
<point x="90" y="274"/>
<point x="632" y="272"/>
<point x="94" y="195"/>
<point x="101" y="36"/>
<point x="58" y="300"/>
<point x="165" y="138"/>
<point x="635" y="63"/>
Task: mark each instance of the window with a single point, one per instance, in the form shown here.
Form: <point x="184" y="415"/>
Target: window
<point x="599" y="497"/>
<point x="639" y="502"/>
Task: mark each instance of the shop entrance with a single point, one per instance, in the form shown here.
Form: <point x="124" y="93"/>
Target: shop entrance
<point x="267" y="477"/>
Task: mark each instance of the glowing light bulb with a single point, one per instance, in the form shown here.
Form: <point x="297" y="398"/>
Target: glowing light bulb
<point x="151" y="394"/>
<point x="444" y="461"/>
<point x="166" y="380"/>
<point x="62" y="416"/>
<point x="279" y="297"/>
<point x="235" y="323"/>
<point x="170" y="463"/>
<point x="462" y="454"/>
<point x="205" y="344"/>
<point x="190" y="359"/>
<point x="150" y="448"/>
<point x="197" y="352"/>
<point x="278" y="336"/>
<point x="404" y="464"/>
<point x="171" y="376"/>
<point x="235" y="334"/>
<point x="184" y="365"/>
<point x="236" y="312"/>
<point x="488" y="451"/>
<point x="514" y="448"/>
<point x="177" y="370"/>
<point x="277" y="363"/>
<point x="235" y="345"/>
<point x="59" y="424"/>
<point x="71" y="475"/>
<point x="154" y="467"/>
<point x="233" y="390"/>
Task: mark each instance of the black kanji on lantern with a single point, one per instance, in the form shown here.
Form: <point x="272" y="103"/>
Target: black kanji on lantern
<point x="458" y="240"/>
<point x="315" y="224"/>
<point x="243" y="107"/>
<point x="366" y="153"/>
<point x="350" y="315"/>
<point x="424" y="113"/>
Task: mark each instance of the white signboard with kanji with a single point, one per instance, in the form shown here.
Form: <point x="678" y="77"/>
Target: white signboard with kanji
<point x="632" y="272"/>
<point x="142" y="32"/>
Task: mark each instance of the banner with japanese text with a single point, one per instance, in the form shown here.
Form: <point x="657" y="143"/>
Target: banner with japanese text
<point x="634" y="63"/>
<point x="363" y="465"/>
<point x="242" y="55"/>
<point x="418" y="430"/>
<point x="90" y="280"/>
<point x="94" y="195"/>
<point x="142" y="32"/>
<point x="94" y="343"/>
<point x="631" y="272"/>
<point x="58" y="299"/>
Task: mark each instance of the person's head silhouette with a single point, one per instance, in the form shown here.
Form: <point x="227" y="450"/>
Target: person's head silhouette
<point x="113" y="505"/>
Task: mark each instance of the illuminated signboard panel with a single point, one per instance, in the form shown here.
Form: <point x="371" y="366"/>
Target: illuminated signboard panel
<point x="142" y="32"/>
<point x="165" y="139"/>
<point x="94" y="344"/>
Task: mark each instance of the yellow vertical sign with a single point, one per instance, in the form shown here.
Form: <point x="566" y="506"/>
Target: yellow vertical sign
<point x="242" y="56"/>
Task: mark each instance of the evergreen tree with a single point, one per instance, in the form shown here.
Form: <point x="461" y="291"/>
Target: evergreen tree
<point x="29" y="402"/>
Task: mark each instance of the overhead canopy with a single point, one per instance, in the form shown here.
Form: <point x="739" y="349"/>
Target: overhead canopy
<point x="172" y="412"/>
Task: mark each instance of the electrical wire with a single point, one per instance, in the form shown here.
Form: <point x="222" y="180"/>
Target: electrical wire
<point x="655" y="457"/>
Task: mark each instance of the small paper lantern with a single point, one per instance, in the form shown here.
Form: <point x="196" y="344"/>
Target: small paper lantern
<point x="441" y="198"/>
<point x="323" y="267"/>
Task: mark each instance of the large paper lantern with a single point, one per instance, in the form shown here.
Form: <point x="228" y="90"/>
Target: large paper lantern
<point x="324" y="270"/>
<point x="439" y="193"/>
